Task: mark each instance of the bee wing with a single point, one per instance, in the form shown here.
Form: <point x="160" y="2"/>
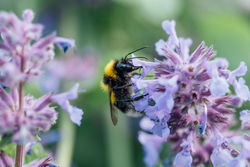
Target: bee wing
<point x="133" y="113"/>
<point x="113" y="110"/>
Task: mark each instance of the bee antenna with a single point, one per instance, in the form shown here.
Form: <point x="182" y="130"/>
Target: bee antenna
<point x="136" y="51"/>
<point x="137" y="57"/>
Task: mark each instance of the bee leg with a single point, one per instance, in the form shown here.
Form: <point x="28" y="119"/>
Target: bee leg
<point x="121" y="87"/>
<point x="136" y="68"/>
<point x="139" y="97"/>
<point x="136" y="73"/>
<point x="125" y="100"/>
<point x="133" y="99"/>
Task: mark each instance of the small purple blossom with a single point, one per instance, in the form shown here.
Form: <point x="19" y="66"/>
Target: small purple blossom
<point x="63" y="100"/>
<point x="5" y="160"/>
<point x="225" y="152"/>
<point x="64" y="43"/>
<point x="184" y="158"/>
<point x="220" y="155"/>
<point x="189" y="102"/>
<point x="151" y="143"/>
<point x="245" y="119"/>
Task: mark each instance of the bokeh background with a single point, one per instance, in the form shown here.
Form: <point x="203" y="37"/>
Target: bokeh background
<point x="104" y="30"/>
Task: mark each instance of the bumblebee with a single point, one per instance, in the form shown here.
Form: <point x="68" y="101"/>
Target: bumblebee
<point x="117" y="80"/>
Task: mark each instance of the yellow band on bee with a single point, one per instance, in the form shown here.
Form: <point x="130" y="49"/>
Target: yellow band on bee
<point x="109" y="70"/>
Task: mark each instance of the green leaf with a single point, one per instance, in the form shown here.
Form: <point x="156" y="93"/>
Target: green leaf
<point x="10" y="149"/>
<point x="4" y="140"/>
<point x="159" y="165"/>
<point x="37" y="152"/>
<point x="37" y="138"/>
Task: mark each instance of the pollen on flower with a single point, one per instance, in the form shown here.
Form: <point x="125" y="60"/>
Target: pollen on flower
<point x="190" y="69"/>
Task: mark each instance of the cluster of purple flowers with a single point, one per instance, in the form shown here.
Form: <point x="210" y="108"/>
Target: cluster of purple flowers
<point x="189" y="103"/>
<point x="23" y="51"/>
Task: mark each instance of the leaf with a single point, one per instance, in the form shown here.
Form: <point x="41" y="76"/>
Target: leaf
<point x="37" y="152"/>
<point x="159" y="165"/>
<point x="4" y="140"/>
<point x="10" y="149"/>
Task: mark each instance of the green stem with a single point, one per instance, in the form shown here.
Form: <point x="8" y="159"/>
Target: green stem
<point x="118" y="142"/>
<point x="65" y="146"/>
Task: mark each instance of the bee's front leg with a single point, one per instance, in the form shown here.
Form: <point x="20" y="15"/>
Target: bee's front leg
<point x="133" y="99"/>
<point x="122" y="87"/>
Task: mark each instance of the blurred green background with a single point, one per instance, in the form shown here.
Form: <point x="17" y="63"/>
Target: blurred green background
<point x="110" y="29"/>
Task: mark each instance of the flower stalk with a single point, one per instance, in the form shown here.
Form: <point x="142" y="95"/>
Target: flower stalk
<point x="19" y="147"/>
<point x="23" y="52"/>
<point x="19" y="155"/>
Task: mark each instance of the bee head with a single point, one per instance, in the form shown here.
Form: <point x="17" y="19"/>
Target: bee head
<point x="125" y="66"/>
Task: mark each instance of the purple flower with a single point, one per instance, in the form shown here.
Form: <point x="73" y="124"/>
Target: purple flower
<point x="241" y="89"/>
<point x="161" y="130"/>
<point x="158" y="47"/>
<point x="169" y="28"/>
<point x="184" y="158"/>
<point x="244" y="142"/>
<point x="151" y="143"/>
<point x="148" y="66"/>
<point x="63" y="100"/>
<point x="65" y="43"/>
<point x="225" y="152"/>
<point x="16" y="32"/>
<point x="22" y="43"/>
<point x="219" y="86"/>
<point x="245" y="119"/>
<point x="23" y="52"/>
<point x="189" y="93"/>
<point x="5" y="160"/>
<point x="221" y="155"/>
<point x="38" y="116"/>
<point x="238" y="162"/>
